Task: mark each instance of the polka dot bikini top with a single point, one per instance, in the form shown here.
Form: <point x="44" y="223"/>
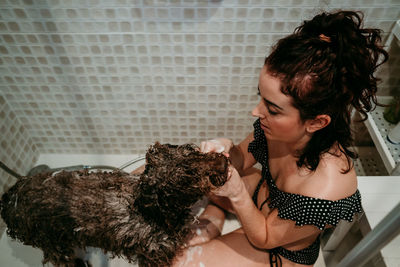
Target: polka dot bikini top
<point x="303" y="210"/>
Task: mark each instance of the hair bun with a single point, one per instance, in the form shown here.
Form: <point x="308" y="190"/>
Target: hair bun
<point x="324" y="38"/>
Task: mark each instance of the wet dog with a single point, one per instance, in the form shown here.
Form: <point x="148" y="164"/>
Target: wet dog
<point x="144" y="218"/>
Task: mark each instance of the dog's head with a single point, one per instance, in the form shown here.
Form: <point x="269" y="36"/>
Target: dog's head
<point x="174" y="179"/>
<point x="167" y="191"/>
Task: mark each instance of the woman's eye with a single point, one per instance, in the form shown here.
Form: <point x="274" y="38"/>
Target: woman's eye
<point x="272" y="112"/>
<point x="267" y="105"/>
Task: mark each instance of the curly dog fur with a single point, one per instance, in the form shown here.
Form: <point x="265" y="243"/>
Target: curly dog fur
<point x="144" y="218"/>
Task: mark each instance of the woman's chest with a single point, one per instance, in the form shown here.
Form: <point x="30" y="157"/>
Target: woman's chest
<point x="285" y="175"/>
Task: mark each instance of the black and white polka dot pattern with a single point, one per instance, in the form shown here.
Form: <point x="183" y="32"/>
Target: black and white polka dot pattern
<point x="303" y="210"/>
<point x="306" y="256"/>
<point x="259" y="147"/>
<point x="307" y="210"/>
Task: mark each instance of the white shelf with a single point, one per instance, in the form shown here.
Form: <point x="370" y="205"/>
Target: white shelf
<point x="378" y="128"/>
<point x="367" y="163"/>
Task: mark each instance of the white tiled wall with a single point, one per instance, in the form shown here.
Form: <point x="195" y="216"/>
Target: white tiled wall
<point x="112" y="77"/>
<point x="18" y="151"/>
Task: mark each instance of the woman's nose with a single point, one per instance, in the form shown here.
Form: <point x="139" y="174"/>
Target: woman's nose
<point x="258" y="111"/>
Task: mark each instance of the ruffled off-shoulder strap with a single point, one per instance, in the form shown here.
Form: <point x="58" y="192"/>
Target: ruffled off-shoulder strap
<point x="258" y="147"/>
<point x="313" y="211"/>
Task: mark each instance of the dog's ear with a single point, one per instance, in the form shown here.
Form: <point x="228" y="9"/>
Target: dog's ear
<point x="218" y="165"/>
<point x="161" y="152"/>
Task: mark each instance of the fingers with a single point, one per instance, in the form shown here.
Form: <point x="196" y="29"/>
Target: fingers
<point x="217" y="146"/>
<point x="232" y="171"/>
<point x="211" y="146"/>
<point x="232" y="187"/>
<point x="203" y="146"/>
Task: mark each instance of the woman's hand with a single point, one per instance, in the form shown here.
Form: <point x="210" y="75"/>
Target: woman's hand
<point x="233" y="187"/>
<point x="220" y="145"/>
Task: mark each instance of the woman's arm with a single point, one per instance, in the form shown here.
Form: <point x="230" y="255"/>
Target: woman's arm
<point x="241" y="159"/>
<point x="262" y="231"/>
<point x="212" y="219"/>
<point x="269" y="231"/>
<point x="250" y="178"/>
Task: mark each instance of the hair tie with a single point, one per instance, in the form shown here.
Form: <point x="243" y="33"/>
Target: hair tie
<point x="324" y="38"/>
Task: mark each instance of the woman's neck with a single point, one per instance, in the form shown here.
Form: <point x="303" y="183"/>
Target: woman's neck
<point x="288" y="149"/>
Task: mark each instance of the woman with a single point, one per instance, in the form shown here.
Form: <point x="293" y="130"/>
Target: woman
<point x="308" y="86"/>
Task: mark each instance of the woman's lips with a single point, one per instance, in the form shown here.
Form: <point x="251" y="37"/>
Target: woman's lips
<point x="264" y="127"/>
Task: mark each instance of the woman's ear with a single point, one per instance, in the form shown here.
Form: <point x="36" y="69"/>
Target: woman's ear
<point x="319" y="122"/>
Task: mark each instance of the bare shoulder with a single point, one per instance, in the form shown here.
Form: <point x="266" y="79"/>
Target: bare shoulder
<point x="329" y="181"/>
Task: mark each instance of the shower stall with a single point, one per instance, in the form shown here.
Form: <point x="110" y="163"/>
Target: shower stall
<point x="92" y="84"/>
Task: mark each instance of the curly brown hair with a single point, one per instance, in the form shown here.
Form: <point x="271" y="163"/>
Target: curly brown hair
<point x="144" y="218"/>
<point x="327" y="66"/>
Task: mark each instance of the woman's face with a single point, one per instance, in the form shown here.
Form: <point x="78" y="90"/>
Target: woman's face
<point x="279" y="119"/>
